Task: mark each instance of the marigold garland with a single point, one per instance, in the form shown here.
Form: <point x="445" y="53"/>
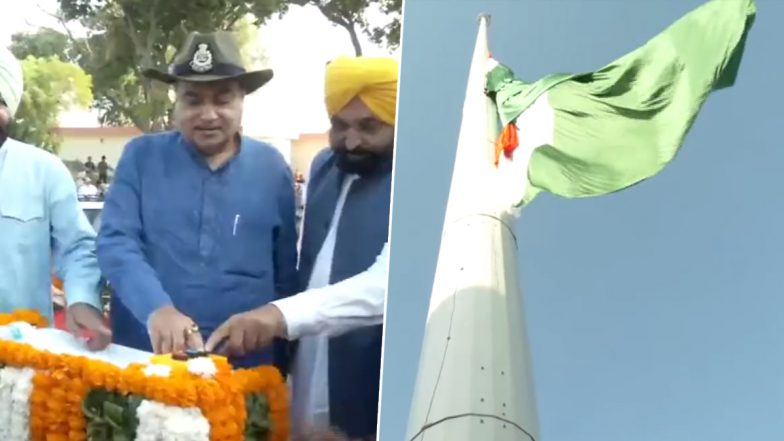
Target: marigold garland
<point x="62" y="382"/>
<point x="270" y="380"/>
<point x="30" y="316"/>
<point x="39" y="417"/>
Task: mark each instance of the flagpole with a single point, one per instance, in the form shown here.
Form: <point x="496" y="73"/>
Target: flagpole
<point x="474" y="380"/>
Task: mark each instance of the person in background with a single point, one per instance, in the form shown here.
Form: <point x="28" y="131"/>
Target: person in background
<point x="300" y="180"/>
<point x="88" y="190"/>
<point x="41" y="224"/>
<point x="198" y="224"/>
<point x="337" y="317"/>
<point x="89" y="165"/>
<point x="103" y="171"/>
<point x="103" y="189"/>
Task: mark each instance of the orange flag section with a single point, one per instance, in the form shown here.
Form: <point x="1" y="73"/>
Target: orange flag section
<point x="507" y="142"/>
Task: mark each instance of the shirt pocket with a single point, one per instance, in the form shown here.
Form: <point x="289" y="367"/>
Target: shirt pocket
<point x="23" y="210"/>
<point x="250" y="244"/>
<point x="24" y="223"/>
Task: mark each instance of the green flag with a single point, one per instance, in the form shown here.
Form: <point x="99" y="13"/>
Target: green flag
<point x="600" y="132"/>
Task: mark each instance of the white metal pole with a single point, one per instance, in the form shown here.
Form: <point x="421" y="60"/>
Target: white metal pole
<point x="474" y="381"/>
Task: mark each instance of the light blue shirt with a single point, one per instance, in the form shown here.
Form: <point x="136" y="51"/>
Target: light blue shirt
<point x="2" y="157"/>
<point x="41" y="223"/>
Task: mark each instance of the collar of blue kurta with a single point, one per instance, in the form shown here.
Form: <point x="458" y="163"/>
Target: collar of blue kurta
<point x="201" y="161"/>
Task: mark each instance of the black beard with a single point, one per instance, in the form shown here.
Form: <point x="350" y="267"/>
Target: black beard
<point x="359" y="162"/>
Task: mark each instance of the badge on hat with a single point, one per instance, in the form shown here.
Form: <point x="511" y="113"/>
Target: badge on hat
<point x="202" y="59"/>
<point x="209" y="57"/>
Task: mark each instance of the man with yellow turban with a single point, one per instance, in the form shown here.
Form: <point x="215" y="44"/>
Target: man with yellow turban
<point x="41" y="223"/>
<point x="337" y="318"/>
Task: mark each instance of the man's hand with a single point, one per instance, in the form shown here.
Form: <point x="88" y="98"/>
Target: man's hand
<point x="172" y="331"/>
<point x="248" y="331"/>
<point x="85" y="319"/>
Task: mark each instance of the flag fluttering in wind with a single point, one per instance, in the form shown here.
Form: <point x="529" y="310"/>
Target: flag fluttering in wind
<point x="600" y="132"/>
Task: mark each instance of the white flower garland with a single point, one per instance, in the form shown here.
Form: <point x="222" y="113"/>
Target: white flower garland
<point x="15" y="387"/>
<point x="203" y="367"/>
<point x="158" y="422"/>
<point x="20" y="416"/>
<point x="6" y="388"/>
<point x="157" y="370"/>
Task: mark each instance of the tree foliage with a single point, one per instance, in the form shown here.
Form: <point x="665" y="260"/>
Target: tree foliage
<point x="127" y="36"/>
<point x="123" y="37"/>
<point x="389" y="34"/>
<point x="351" y="15"/>
<point x="51" y="87"/>
<point x="43" y="43"/>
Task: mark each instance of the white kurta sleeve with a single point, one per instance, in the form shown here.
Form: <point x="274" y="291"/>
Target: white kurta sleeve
<point x="335" y="309"/>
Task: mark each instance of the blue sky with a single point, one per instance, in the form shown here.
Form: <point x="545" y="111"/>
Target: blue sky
<point x="654" y="314"/>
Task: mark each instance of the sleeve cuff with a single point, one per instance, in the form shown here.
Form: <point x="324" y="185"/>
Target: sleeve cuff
<point x="355" y="302"/>
<point x="297" y="314"/>
<point x="145" y="317"/>
<point x="76" y="294"/>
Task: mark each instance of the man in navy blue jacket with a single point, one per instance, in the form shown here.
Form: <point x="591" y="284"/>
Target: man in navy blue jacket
<point x="199" y="223"/>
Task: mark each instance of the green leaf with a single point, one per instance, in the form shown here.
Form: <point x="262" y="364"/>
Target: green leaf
<point x="111" y="415"/>
<point x="258" y="423"/>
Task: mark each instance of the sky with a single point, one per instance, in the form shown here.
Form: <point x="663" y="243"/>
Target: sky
<point x="653" y="314"/>
<point x="289" y="105"/>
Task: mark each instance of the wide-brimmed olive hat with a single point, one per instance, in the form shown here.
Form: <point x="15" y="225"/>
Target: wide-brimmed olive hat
<point x="211" y="57"/>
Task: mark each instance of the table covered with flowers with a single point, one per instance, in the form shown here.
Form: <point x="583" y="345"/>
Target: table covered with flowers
<point x="53" y="389"/>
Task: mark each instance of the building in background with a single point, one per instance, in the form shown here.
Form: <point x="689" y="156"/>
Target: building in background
<point x="96" y="142"/>
<point x="305" y="148"/>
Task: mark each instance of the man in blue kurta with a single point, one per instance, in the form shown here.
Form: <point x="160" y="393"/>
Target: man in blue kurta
<point x="336" y="318"/>
<point x="199" y="223"/>
<point x="41" y="224"/>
